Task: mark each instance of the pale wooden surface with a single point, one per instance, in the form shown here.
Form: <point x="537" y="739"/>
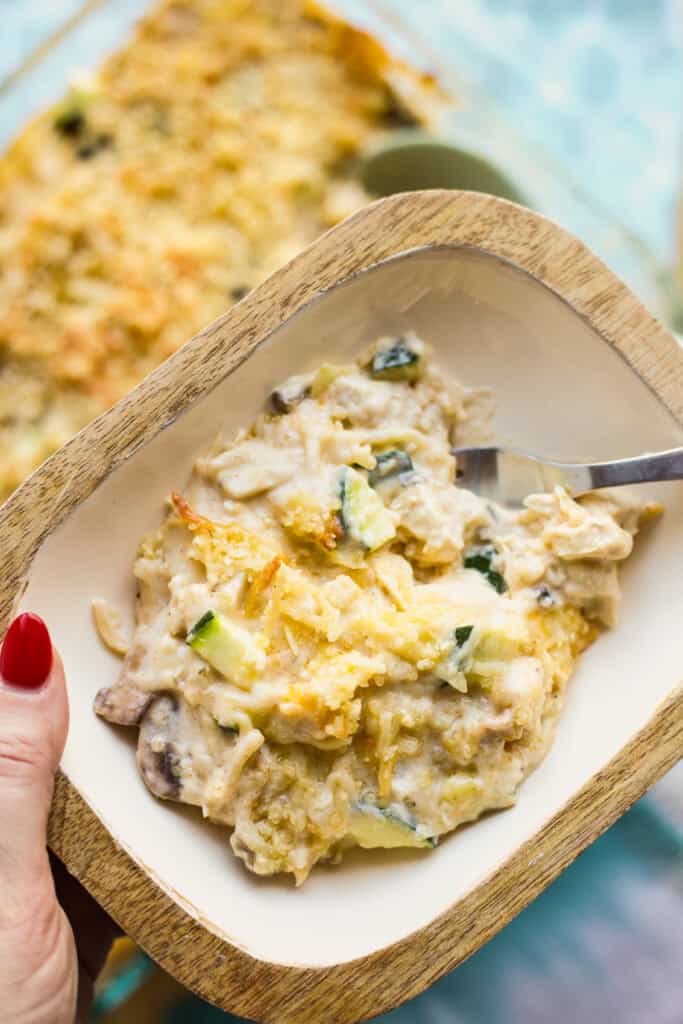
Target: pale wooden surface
<point x="181" y="943"/>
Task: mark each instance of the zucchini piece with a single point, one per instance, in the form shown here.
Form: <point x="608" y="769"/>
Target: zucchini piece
<point x="70" y="120"/>
<point x="230" y="649"/>
<point x="453" y="667"/>
<point x="481" y="558"/>
<point x="484" y="558"/>
<point x="363" y="515"/>
<point x="481" y="651"/>
<point x="398" y="362"/>
<point x="388" y="828"/>
<point x="325" y="376"/>
<point x="72" y="123"/>
<point x="498" y="641"/>
<point x="390" y="464"/>
<point x="462" y="635"/>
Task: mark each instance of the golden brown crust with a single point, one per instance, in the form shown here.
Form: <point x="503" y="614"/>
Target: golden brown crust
<point x="207" y="152"/>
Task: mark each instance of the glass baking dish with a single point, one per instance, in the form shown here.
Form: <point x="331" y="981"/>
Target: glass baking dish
<point x="58" y="41"/>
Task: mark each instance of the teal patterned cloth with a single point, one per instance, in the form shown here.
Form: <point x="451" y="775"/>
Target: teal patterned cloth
<point x="603" y="944"/>
<point x="596" y="85"/>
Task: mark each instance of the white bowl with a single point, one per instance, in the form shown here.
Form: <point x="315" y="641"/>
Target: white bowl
<point x="474" y="277"/>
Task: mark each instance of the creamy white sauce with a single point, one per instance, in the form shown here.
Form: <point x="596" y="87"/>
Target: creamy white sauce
<point x="397" y="677"/>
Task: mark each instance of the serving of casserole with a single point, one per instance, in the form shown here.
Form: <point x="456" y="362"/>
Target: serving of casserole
<point x="335" y="644"/>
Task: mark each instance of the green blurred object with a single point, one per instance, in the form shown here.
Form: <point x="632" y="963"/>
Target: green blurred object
<point x="122" y="986"/>
<point x="411" y="159"/>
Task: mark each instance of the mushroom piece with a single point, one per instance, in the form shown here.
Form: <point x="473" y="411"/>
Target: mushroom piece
<point x="159" y="757"/>
<point x="290" y="394"/>
<point x="123" y="703"/>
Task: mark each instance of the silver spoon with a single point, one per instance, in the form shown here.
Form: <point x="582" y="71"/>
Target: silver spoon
<point x="508" y="476"/>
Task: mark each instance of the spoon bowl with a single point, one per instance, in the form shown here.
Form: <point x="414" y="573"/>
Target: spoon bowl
<point x="508" y="477"/>
<point x="411" y="159"/>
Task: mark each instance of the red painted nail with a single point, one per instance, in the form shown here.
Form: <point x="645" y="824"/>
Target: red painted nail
<point x="26" y="653"/>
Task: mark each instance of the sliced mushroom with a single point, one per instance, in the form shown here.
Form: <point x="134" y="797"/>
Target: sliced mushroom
<point x="183" y="754"/>
<point x="159" y="757"/>
<point x="122" y="703"/>
<point x="290" y="394"/>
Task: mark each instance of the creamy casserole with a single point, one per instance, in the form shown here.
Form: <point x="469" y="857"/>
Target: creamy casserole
<point x="213" y="147"/>
<point x="335" y="644"/>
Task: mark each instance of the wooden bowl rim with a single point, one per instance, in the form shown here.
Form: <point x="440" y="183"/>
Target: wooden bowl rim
<point x="160" y="921"/>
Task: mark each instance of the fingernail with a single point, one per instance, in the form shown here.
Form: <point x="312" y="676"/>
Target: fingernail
<point x="26" y="653"/>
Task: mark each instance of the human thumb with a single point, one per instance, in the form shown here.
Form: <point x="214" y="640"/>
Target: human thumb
<point x="33" y="726"/>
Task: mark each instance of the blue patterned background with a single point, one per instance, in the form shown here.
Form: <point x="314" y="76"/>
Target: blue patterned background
<point x="595" y="83"/>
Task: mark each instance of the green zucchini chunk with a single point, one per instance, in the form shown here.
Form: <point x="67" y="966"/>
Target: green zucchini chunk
<point x="363" y="515"/>
<point x="229" y="648"/>
<point x="386" y="827"/>
<point x="390" y="464"/>
<point x="398" y="362"/>
<point x="484" y="558"/>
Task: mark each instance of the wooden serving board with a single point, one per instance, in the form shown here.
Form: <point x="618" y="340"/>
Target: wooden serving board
<point x="161" y="919"/>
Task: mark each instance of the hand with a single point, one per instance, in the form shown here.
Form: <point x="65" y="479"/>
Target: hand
<point x="53" y="936"/>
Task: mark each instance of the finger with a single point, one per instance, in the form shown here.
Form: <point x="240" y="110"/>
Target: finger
<point x="33" y="726"/>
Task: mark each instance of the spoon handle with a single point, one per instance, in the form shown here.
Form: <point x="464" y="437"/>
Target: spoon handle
<point x="642" y="469"/>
